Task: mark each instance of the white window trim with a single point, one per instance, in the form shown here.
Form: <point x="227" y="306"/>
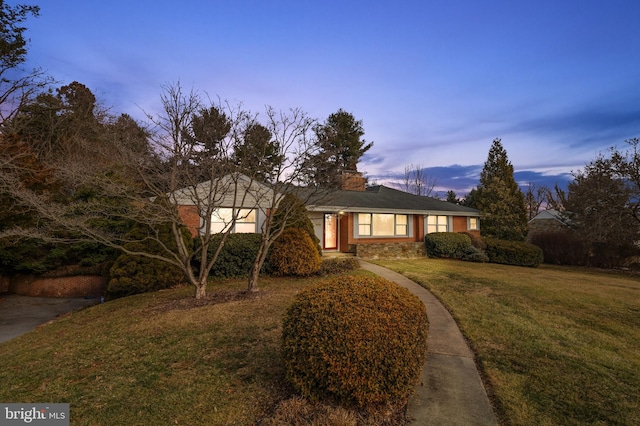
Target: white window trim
<point x="477" y="228"/>
<point x="235" y="223"/>
<point x="448" y="219"/>
<point x="356" y="227"/>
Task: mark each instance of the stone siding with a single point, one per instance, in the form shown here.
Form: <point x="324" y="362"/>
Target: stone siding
<point x="389" y="250"/>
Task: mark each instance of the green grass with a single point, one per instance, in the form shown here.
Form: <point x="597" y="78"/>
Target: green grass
<point x="133" y="361"/>
<point x="557" y="346"/>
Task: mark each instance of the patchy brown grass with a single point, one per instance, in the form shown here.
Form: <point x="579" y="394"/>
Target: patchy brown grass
<point x="164" y="358"/>
<point x="558" y="345"/>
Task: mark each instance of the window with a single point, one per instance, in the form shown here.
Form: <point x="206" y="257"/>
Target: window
<point x="364" y="224"/>
<point x="474" y="224"/>
<point x="222" y="219"/>
<point x="246" y="221"/>
<point x="402" y="225"/>
<point x="383" y="225"/>
<point x="437" y="224"/>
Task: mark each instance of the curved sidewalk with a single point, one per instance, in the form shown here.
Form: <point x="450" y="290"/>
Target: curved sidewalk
<point x="450" y="391"/>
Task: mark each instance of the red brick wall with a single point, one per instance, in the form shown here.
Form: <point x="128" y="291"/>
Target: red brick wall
<point x="353" y="181"/>
<point x="190" y="217"/>
<point x="459" y="224"/>
<point x="75" y="286"/>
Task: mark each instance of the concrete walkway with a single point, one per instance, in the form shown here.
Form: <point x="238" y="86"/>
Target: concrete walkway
<point x="450" y="390"/>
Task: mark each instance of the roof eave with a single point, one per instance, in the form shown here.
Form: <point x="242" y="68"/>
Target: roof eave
<point x="352" y="209"/>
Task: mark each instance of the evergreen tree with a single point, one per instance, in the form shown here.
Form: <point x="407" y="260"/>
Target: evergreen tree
<point x="504" y="214"/>
<point x="339" y="148"/>
<point x="452" y="197"/>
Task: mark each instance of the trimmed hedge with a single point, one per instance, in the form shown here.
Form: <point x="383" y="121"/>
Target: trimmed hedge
<point x="360" y="341"/>
<point x="294" y="253"/>
<point x="139" y="274"/>
<point x="31" y="256"/>
<point x="447" y="244"/>
<point x="476" y="240"/>
<point x="513" y="252"/>
<point x="237" y="256"/>
<point x="561" y="247"/>
<point x="474" y="254"/>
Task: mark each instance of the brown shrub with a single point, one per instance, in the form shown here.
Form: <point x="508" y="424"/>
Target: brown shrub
<point x="293" y="253"/>
<point x="360" y="341"/>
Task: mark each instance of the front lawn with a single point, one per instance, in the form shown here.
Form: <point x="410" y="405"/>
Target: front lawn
<point x="153" y="359"/>
<point x="558" y="346"/>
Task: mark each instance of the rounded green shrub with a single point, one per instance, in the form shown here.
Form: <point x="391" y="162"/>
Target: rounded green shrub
<point x="476" y="240"/>
<point x="360" y="341"/>
<point x="237" y="255"/>
<point x="447" y="244"/>
<point x="140" y="274"/>
<point x="513" y="252"/>
<point x="294" y="253"/>
<point x="474" y="254"/>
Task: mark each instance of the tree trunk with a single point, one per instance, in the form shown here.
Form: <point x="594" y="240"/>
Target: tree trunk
<point x="201" y="289"/>
<point x="254" y="275"/>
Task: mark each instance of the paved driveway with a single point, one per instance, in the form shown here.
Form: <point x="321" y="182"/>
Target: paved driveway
<point x="21" y="314"/>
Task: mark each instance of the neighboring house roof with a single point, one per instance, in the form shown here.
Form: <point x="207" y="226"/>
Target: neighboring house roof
<point x="549" y="214"/>
<point x="380" y="198"/>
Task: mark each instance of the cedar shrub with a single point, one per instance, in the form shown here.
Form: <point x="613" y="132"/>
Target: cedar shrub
<point x="293" y="253"/>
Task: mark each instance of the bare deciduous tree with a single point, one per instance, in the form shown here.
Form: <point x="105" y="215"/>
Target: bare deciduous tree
<point x="417" y="180"/>
<point x="197" y="168"/>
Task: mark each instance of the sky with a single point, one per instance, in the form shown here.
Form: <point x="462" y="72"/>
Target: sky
<point x="433" y="82"/>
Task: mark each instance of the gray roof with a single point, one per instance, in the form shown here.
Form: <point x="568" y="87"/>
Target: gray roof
<point x="550" y="214"/>
<point x="382" y="199"/>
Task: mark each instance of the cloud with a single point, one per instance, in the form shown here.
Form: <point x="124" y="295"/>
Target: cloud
<point x="596" y="124"/>
<point x="462" y="178"/>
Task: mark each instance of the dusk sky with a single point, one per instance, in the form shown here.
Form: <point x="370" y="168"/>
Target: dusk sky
<point x="434" y="82"/>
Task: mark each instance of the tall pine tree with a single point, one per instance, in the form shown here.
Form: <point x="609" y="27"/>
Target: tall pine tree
<point x="504" y="214"/>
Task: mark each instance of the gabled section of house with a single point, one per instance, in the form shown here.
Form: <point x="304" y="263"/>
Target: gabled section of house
<point x="232" y="197"/>
<point x="547" y="221"/>
<point x="370" y="222"/>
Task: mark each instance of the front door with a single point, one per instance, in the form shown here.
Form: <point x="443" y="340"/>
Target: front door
<point x="330" y="231"/>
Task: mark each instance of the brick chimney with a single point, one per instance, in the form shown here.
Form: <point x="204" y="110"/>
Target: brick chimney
<point x="351" y="180"/>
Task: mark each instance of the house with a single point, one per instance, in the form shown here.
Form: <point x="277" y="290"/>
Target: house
<point x="378" y="221"/>
<point x="369" y="222"/>
<point x="547" y="221"/>
<point x="237" y="195"/>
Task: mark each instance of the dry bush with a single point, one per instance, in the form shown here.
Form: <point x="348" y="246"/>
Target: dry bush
<point x="360" y="341"/>
<point x="294" y="253"/>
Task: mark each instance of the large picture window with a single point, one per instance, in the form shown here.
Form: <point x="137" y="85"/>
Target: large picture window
<point x="222" y="220"/>
<point x="383" y="225"/>
<point x="437" y="224"/>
